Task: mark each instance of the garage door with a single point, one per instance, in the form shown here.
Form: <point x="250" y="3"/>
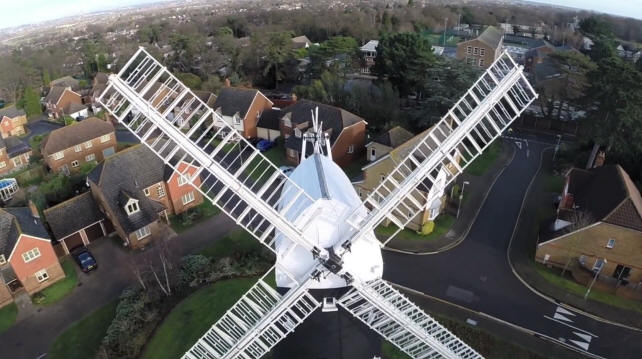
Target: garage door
<point x="74" y="241"/>
<point x="94" y="232"/>
<point x="108" y="151"/>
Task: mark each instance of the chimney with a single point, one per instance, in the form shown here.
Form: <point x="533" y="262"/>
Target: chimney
<point x="294" y="98"/>
<point x="599" y="159"/>
<point x="34" y="209"/>
<point x="227" y="82"/>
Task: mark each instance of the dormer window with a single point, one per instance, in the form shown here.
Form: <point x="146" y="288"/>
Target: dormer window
<point x="2" y="259"/>
<point x="237" y="120"/>
<point x="132" y="206"/>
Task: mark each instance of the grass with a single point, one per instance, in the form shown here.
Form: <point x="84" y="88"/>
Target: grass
<point x="482" y="163"/>
<point x="438" y="39"/>
<point x="578" y="289"/>
<point x="200" y="213"/>
<point x="82" y="339"/>
<point x="193" y="316"/>
<point x="553" y="183"/>
<point x="354" y="168"/>
<point x="60" y="289"/>
<point x="227" y="148"/>
<point x="8" y="316"/>
<point x="237" y="241"/>
<point x="443" y="223"/>
<point x="389" y="351"/>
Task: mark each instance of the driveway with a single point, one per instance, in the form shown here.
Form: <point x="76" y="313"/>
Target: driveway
<point x="476" y="274"/>
<point x="41" y="126"/>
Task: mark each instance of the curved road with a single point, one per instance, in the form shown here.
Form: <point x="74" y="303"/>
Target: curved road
<point x="476" y="274"/>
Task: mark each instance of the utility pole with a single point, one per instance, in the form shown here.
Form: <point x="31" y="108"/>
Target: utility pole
<point x="594" y="278"/>
<point x="461" y="196"/>
<point x="445" y="26"/>
<point x="557" y="146"/>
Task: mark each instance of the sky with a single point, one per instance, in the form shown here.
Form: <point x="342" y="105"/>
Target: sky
<point x="19" y="12"/>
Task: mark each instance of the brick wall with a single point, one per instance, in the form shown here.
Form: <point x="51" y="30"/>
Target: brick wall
<point x="176" y="192"/>
<point x="490" y="53"/>
<point x="26" y="271"/>
<point x="354" y="135"/>
<point x="260" y="104"/>
<point x="71" y="155"/>
<point x="9" y="164"/>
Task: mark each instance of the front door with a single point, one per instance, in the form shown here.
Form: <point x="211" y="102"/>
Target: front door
<point x="65" y="170"/>
<point x="621" y="273"/>
<point x="108" y="151"/>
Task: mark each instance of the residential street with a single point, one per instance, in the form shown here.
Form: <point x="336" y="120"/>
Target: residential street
<point x="476" y="274"/>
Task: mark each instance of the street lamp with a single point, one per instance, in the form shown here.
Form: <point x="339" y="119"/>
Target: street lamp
<point x="461" y="196"/>
<point x="597" y="274"/>
<point x="557" y="146"/>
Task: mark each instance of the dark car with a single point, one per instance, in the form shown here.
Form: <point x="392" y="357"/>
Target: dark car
<point x="254" y="141"/>
<point x="264" y="145"/>
<point x="85" y="260"/>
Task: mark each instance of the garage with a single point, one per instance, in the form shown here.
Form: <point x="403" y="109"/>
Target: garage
<point x="94" y="232"/>
<point x="73" y="241"/>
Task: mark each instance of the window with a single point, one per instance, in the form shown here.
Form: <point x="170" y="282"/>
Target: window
<point x="469" y="50"/>
<point x="547" y="257"/>
<point x="161" y="191"/>
<point x="131" y="207"/>
<point x="77" y="148"/>
<point x="469" y="60"/>
<point x="74" y="163"/>
<point x="599" y="263"/>
<point x="611" y="243"/>
<point x="187" y="198"/>
<point x="143" y="232"/>
<point x="351" y="149"/>
<point x="481" y="62"/>
<point x="17" y="161"/>
<point x="90" y="157"/>
<point x="28" y="256"/>
<point x="237" y="121"/>
<point x="3" y="164"/>
<point x="58" y="155"/>
<point x="373" y="153"/>
<point x="2" y="259"/>
<point x="104" y="138"/>
<point x="383" y="178"/>
<point x="297" y="132"/>
<point x="482" y="52"/>
<point x="146" y="191"/>
<point x="42" y="275"/>
<point x="88" y="144"/>
<point x="476" y="51"/>
<point x="183" y="179"/>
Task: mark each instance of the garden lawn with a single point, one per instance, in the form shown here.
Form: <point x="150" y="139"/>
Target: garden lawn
<point x="82" y="339"/>
<point x="60" y="289"/>
<point x="237" y="241"/>
<point x="482" y="163"/>
<point x="579" y="290"/>
<point x="553" y="183"/>
<point x="190" y="318"/>
<point x="8" y="316"/>
<point x="443" y="223"/>
<point x="207" y="209"/>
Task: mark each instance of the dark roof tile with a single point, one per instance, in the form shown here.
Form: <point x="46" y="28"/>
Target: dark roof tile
<point x="72" y="215"/>
<point x="75" y="134"/>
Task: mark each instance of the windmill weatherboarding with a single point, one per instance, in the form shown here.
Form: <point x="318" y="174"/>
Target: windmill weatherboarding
<point x="320" y="230"/>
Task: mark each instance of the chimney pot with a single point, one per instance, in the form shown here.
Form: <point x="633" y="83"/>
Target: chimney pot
<point x="34" y="209"/>
<point x="227" y="82"/>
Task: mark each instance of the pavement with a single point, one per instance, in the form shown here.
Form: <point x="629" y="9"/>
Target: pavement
<point x="476" y="274"/>
<point x="40" y="127"/>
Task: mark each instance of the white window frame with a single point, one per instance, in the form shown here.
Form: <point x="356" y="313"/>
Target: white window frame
<point x="161" y="191"/>
<point x="105" y="138"/>
<point x="78" y="148"/>
<point x="469" y="50"/>
<point x="143" y="232"/>
<point x="599" y="264"/>
<point x="373" y="153"/>
<point x="31" y="255"/>
<point x="3" y="164"/>
<point x="351" y="149"/>
<point x="42" y="275"/>
<point x="481" y="62"/>
<point x="90" y="157"/>
<point x="188" y="198"/>
<point x="59" y="155"/>
<point x="237" y="121"/>
<point x="17" y="161"/>
<point x="132" y="207"/>
<point x="610" y="243"/>
<point x="74" y="163"/>
<point x="88" y="144"/>
<point x="3" y="260"/>
<point x="184" y="179"/>
<point x="146" y="191"/>
<point x="476" y="51"/>
<point x="482" y="52"/>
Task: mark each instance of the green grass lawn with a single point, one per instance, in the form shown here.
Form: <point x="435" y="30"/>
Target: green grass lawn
<point x="553" y="183"/>
<point x="201" y="213"/>
<point x="60" y="289"/>
<point x="578" y="289"/>
<point x="354" y="168"/>
<point x="187" y="322"/>
<point x="482" y="163"/>
<point x="237" y="241"/>
<point x="443" y="223"/>
<point x="8" y="316"/>
<point x="82" y="339"/>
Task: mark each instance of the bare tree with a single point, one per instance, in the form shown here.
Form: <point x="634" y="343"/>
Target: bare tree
<point x="136" y="269"/>
<point x="580" y="220"/>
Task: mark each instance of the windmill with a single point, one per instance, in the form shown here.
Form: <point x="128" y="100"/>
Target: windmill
<point x="320" y="230"/>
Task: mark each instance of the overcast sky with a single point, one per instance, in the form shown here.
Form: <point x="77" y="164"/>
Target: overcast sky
<point x="19" y="12"/>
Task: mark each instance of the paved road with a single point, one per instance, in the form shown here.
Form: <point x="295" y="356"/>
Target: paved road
<point x="476" y="273"/>
<point x="41" y="126"/>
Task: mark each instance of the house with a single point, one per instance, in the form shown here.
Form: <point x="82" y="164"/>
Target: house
<point x="268" y="126"/>
<point x="241" y="108"/>
<point x="628" y="51"/>
<point x="369" y="53"/>
<point x="483" y="50"/>
<point x="207" y="97"/>
<point x="58" y="101"/>
<point x="76" y="111"/>
<point x="347" y="131"/>
<point x="66" y="81"/>
<point x="598" y="227"/>
<point x="301" y="42"/>
<point x="98" y="86"/>
<point x="27" y="258"/>
<point x="537" y="55"/>
<point x="12" y="121"/>
<point x="68" y="147"/>
<point x="384" y="153"/>
<point x="136" y="191"/>
<point x="14" y="154"/>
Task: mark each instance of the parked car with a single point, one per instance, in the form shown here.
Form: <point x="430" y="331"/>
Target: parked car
<point x="264" y="145"/>
<point x="286" y="170"/>
<point x="254" y="141"/>
<point x="85" y="259"/>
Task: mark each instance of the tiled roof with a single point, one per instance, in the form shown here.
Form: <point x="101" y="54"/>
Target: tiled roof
<point x="73" y="107"/>
<point x="66" y="81"/>
<point x="394" y="137"/>
<point x="75" y="134"/>
<point x="270" y="119"/>
<point x="11" y="112"/>
<point x="55" y="93"/>
<point x="14" y="146"/>
<point x="207" y="97"/>
<point x="370" y="46"/>
<point x="73" y="215"/>
<point x="492" y="36"/>
<point x="15" y="221"/>
<point x="232" y="100"/>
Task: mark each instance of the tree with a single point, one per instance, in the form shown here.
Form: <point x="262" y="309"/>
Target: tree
<point x="603" y="48"/>
<point x="190" y="80"/>
<point x="31" y="102"/>
<point x="338" y="55"/>
<point x="278" y="49"/>
<point x="46" y="78"/>
<point x="404" y="59"/>
<point x="595" y="26"/>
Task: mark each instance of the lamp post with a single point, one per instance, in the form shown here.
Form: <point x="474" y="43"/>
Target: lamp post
<point x="594" y="278"/>
<point x="557" y="146"/>
<point x="461" y="196"/>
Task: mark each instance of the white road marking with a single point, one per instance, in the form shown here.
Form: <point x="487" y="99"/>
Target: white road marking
<point x="561" y="313"/>
<point x="561" y="317"/>
<point x="583" y="336"/>
<point x="471" y="322"/>
<point x="519" y="144"/>
<point x="570" y="326"/>
<point x="582" y="345"/>
<point x="564" y="311"/>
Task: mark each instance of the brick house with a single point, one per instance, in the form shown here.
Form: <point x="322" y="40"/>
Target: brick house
<point x="598" y="226"/>
<point x="27" y="259"/>
<point x="346" y="130"/>
<point x="14" y="154"/>
<point x="241" y="108"/>
<point x="65" y="81"/>
<point x="369" y="54"/>
<point x="384" y="153"/>
<point x="135" y="191"/>
<point x="483" y="50"/>
<point x="66" y="148"/>
<point x="98" y="86"/>
<point x="61" y="101"/>
<point x="12" y="121"/>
